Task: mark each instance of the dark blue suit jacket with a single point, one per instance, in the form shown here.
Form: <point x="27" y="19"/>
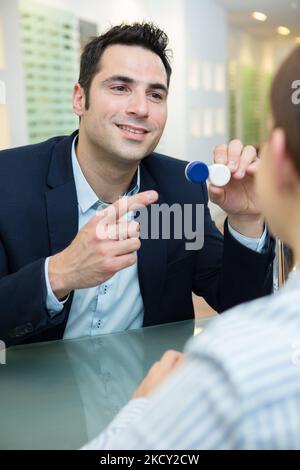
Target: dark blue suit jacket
<point x="39" y="217"/>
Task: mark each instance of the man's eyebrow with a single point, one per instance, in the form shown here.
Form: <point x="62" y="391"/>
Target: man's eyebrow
<point x="119" y="78"/>
<point x="158" y="86"/>
<point x="131" y="81"/>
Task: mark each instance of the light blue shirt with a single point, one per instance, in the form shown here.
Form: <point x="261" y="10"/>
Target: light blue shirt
<point x="239" y="387"/>
<point x="117" y="304"/>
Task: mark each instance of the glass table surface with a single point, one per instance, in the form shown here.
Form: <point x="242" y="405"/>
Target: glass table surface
<point x="60" y="394"/>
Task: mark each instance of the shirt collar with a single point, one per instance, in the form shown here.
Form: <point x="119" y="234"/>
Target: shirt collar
<point x="86" y="197"/>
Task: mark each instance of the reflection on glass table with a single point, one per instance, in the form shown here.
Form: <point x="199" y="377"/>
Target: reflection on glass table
<point x="60" y="394"/>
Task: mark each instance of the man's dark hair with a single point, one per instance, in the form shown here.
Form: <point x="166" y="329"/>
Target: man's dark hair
<point x="146" y="35"/>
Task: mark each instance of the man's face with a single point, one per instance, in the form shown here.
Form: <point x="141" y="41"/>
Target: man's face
<point x="127" y="104"/>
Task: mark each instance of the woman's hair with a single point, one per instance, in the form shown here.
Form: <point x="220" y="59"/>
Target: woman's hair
<point x="285" y="103"/>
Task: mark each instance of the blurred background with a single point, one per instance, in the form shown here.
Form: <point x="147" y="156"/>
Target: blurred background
<point x="225" y="53"/>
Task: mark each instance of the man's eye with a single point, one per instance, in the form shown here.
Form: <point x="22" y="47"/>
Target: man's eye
<point x="119" y="88"/>
<point x="156" y="96"/>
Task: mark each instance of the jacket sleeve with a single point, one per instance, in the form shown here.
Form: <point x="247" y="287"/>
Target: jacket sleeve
<point x="226" y="272"/>
<point x="23" y="301"/>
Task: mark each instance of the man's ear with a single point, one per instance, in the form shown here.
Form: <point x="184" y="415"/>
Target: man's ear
<point x="282" y="165"/>
<point x="78" y="100"/>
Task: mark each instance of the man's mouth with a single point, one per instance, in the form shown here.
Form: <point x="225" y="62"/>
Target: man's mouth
<point x="132" y="129"/>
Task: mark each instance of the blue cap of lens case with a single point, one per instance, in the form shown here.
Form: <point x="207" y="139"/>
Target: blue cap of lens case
<point x="196" y="172"/>
<point x="217" y="174"/>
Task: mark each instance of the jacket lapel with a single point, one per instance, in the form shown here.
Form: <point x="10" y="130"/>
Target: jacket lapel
<point x="152" y="261"/>
<point x="61" y="198"/>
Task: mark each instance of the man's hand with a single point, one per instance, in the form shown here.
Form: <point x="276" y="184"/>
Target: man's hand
<point x="160" y="370"/>
<point x="238" y="198"/>
<point x="104" y="246"/>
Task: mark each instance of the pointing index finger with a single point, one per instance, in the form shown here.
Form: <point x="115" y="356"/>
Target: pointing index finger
<point x="127" y="204"/>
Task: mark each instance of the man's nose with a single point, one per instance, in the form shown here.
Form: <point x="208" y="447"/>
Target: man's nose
<point x="138" y="105"/>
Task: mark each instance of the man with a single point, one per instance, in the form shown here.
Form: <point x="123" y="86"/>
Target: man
<point x="58" y="282"/>
<point x="239" y="385"/>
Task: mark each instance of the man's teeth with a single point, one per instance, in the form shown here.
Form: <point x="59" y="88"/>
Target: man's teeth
<point x="133" y="131"/>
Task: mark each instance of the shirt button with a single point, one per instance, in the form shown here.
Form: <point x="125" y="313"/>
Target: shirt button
<point x="105" y="290"/>
<point x="99" y="323"/>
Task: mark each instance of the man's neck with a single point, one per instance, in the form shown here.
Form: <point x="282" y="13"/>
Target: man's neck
<point x="109" y="180"/>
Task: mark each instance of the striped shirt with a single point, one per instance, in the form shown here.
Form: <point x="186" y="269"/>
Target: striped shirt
<point x="238" y="389"/>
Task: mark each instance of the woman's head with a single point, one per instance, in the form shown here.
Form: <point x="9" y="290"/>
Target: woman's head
<point x="285" y="110"/>
<point x="278" y="178"/>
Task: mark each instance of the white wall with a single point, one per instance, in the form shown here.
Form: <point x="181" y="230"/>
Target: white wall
<point x="206" y="57"/>
<point x="13" y="115"/>
<point x="248" y="49"/>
